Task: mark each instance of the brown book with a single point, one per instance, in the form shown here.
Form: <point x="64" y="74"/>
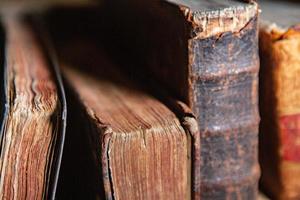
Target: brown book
<point x="33" y="123"/>
<point x="280" y="98"/>
<point x="122" y="142"/>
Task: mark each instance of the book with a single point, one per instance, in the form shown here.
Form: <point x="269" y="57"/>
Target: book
<point x="122" y="143"/>
<point x="33" y="114"/>
<point x="205" y="53"/>
<point x="279" y="98"/>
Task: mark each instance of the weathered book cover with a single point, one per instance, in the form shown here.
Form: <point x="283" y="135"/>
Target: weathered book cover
<point x="222" y="79"/>
<point x="33" y="124"/>
<point x="280" y="99"/>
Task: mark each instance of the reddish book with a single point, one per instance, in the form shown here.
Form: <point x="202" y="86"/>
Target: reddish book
<point x="280" y="98"/>
<point x="33" y="124"/>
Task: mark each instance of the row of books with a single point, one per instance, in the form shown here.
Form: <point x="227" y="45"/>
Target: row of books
<point x="177" y="99"/>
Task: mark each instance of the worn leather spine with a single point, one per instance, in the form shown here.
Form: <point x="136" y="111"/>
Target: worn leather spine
<point x="223" y="66"/>
<point x="224" y="81"/>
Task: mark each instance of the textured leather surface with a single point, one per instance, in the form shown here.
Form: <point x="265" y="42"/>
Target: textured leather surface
<point x="225" y="85"/>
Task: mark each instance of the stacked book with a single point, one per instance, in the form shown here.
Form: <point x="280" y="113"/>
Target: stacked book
<point x="150" y="100"/>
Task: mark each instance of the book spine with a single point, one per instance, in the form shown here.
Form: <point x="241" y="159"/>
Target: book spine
<point x="280" y="111"/>
<point x="224" y="80"/>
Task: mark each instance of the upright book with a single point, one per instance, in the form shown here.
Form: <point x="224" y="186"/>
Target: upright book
<point x="33" y="124"/>
<point x="280" y="98"/>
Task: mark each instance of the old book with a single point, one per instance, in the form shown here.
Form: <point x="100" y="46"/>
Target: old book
<point x="280" y="98"/>
<point x="135" y="146"/>
<point x="32" y="130"/>
<point x="206" y="54"/>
